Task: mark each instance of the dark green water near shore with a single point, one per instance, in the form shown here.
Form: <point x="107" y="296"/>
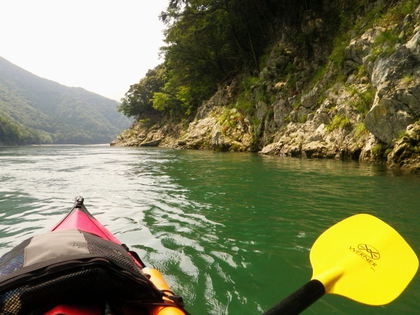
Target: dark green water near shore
<point x="230" y="232"/>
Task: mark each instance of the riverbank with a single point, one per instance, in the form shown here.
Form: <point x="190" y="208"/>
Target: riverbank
<point x="362" y="102"/>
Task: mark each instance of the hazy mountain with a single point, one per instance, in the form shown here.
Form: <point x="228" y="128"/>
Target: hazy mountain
<point x="37" y="110"/>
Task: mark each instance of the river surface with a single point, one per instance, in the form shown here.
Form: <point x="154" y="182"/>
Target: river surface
<point x="231" y="232"/>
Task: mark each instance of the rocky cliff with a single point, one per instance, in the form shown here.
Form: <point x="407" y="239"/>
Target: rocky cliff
<point x="366" y="109"/>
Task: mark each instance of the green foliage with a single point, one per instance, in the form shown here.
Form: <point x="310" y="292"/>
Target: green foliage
<point x="157" y="95"/>
<point x="343" y="26"/>
<point x="209" y="42"/>
<point x="359" y="130"/>
<point x="246" y="101"/>
<point x="409" y="78"/>
<point x="339" y="121"/>
<point x="244" y="105"/>
<point x="291" y="77"/>
<point x="185" y="96"/>
<point x="254" y="90"/>
<point x="160" y="101"/>
<point x="367" y="98"/>
<point x="350" y="24"/>
<point x="229" y="119"/>
<point x="364" y="99"/>
<point x="138" y="100"/>
<point x="303" y="118"/>
<point x="340" y="43"/>
<point x="378" y="151"/>
<point x="386" y="37"/>
<point x="385" y="42"/>
<point x="249" y="83"/>
<point x="296" y="104"/>
<point x="403" y="134"/>
<point x="397" y="13"/>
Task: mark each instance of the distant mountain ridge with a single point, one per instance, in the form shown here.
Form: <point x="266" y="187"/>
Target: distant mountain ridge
<point x="34" y="110"/>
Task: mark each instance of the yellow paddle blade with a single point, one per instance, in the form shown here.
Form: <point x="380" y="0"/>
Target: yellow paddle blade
<point x="364" y="259"/>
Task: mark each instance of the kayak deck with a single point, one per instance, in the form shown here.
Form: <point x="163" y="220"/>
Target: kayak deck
<point x="80" y="218"/>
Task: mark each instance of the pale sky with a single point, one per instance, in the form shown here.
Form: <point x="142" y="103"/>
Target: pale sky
<point x="103" y="46"/>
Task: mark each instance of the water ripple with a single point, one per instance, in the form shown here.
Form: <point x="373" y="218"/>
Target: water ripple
<point x="230" y="232"/>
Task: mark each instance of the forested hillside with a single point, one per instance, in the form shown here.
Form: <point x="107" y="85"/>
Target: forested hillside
<point x="34" y="110"/>
<point x="321" y="78"/>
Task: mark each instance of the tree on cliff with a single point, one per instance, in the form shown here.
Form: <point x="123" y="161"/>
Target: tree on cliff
<point x="138" y="99"/>
<point x="208" y="43"/>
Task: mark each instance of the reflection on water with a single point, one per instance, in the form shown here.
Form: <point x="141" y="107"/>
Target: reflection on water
<point x="231" y="232"/>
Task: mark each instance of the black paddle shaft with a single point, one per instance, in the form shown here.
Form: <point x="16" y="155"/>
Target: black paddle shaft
<point x="299" y="300"/>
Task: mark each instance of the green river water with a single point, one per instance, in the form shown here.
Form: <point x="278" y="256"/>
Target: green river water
<point x="231" y="232"/>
